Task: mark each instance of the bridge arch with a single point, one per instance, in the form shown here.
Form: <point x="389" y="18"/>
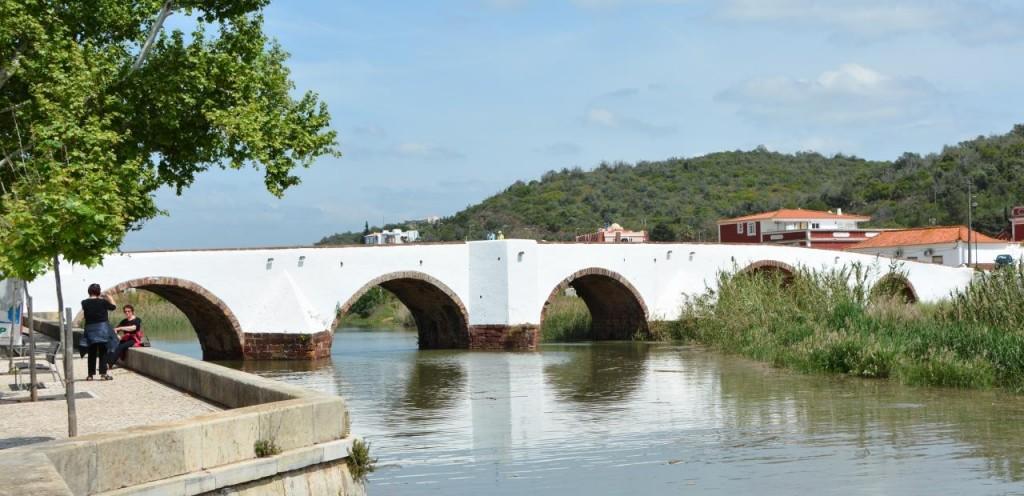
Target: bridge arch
<point x="771" y="267"/>
<point x="617" y="311"/>
<point x="219" y="333"/>
<point x="894" y="285"/>
<point x="441" y="318"/>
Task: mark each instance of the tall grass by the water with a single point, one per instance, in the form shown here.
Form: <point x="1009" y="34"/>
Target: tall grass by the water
<point x="160" y="318"/>
<point x="820" y="322"/>
<point x="566" y="319"/>
<point x="378" y="308"/>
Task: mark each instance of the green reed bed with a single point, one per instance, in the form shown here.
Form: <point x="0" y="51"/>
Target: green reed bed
<point x="378" y="308"/>
<point x="820" y="322"/>
<point x="160" y="318"/>
<point x="566" y="319"/>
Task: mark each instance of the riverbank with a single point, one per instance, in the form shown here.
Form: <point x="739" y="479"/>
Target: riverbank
<point x="821" y="323"/>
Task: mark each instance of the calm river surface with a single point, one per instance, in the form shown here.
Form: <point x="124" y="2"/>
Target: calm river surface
<point x="634" y="418"/>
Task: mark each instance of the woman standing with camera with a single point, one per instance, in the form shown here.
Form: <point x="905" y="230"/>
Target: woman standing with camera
<point x="97" y="329"/>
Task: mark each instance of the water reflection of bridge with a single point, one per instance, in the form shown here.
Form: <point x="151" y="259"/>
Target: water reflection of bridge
<point x="538" y="412"/>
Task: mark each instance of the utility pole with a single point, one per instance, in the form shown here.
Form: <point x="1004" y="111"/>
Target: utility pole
<point x="970" y="223"/>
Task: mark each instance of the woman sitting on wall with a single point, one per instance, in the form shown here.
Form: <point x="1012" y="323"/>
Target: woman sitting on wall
<point x="131" y="327"/>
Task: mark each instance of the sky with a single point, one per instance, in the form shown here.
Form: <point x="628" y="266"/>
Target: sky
<point x="439" y="105"/>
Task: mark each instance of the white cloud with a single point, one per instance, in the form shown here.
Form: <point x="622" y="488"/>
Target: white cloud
<point x="851" y="94"/>
<point x="967" y="20"/>
<point x="604" y="4"/>
<point x="602" y="117"/>
<point x="559" y="149"/>
<point x="505" y="4"/>
<point x="370" y="130"/>
<point x="406" y="150"/>
<point x="427" y="151"/>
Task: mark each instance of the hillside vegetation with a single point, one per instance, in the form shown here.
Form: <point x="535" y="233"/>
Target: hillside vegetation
<point x="684" y="197"/>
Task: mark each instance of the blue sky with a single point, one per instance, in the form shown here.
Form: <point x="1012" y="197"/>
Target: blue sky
<point x="439" y="105"/>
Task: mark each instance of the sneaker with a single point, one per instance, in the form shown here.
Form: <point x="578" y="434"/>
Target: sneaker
<point x="88" y="378"/>
<point x="107" y="377"/>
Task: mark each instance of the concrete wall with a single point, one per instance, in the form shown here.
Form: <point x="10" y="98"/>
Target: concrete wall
<point x="499" y="283"/>
<point x="211" y="452"/>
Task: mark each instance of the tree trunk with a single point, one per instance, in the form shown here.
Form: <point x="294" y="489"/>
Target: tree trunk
<point x="69" y="367"/>
<point x="33" y="393"/>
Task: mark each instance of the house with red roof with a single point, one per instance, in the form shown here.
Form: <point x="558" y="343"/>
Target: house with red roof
<point x="946" y="245"/>
<point x="797" y="227"/>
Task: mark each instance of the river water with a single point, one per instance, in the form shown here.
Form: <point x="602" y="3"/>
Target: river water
<point x="639" y="418"/>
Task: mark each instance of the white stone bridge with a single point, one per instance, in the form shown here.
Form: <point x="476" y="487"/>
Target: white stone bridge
<point x="283" y="303"/>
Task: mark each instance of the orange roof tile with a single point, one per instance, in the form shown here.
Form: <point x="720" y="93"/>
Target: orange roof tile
<point x="794" y="214"/>
<point x="922" y="236"/>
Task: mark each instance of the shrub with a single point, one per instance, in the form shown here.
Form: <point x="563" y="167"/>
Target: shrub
<point x="360" y="464"/>
<point x="266" y="447"/>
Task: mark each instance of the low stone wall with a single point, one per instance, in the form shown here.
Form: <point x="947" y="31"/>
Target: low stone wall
<point x="209" y="453"/>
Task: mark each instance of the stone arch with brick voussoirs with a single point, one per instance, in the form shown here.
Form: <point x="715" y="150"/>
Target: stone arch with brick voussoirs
<point x="617" y="311"/>
<point x="894" y="286"/>
<point x="771" y="268"/>
<point x="441" y="317"/>
<point x="220" y="336"/>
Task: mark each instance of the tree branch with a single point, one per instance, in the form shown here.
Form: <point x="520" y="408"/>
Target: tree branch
<point x="8" y="71"/>
<point x="165" y="12"/>
<point x="16" y="106"/>
<point x="9" y="159"/>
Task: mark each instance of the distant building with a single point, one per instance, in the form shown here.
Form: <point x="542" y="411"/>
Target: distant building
<point x="946" y="245"/>
<point x="613" y="234"/>
<point x="797" y="227"/>
<point x="391" y="237"/>
<point x="1017" y="224"/>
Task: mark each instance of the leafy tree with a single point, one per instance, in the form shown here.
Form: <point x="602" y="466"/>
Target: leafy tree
<point x="662" y="232"/>
<point x="100" y="107"/>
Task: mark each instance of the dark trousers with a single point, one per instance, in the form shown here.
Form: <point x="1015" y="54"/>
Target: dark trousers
<point x="97" y="351"/>
<point x="121" y="347"/>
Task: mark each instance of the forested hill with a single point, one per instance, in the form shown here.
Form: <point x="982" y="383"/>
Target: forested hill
<point x="684" y="197"/>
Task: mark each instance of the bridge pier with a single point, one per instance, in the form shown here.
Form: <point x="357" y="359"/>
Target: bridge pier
<point x="287" y="346"/>
<point x="504" y="337"/>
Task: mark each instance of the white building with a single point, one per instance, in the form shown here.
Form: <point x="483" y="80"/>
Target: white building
<point x="391" y="237"/>
<point x="945" y="245"/>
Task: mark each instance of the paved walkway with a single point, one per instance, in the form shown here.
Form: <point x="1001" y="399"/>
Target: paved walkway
<point x="128" y="400"/>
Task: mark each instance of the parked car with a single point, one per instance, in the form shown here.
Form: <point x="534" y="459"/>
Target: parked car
<point x="1004" y="260"/>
